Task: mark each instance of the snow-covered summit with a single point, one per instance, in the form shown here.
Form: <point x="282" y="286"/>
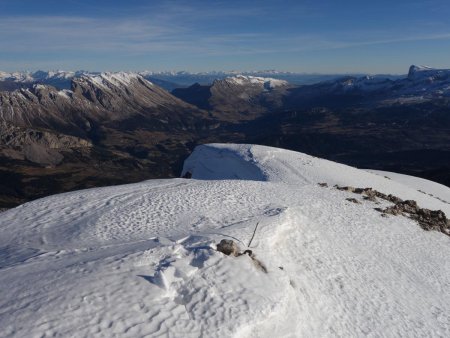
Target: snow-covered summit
<point x="427" y="73"/>
<point x="415" y="69"/>
<point x="261" y="163"/>
<point x="140" y="260"/>
<point x="267" y="83"/>
<point x="116" y="78"/>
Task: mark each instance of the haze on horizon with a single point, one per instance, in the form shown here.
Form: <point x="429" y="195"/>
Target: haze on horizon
<point x="199" y="35"/>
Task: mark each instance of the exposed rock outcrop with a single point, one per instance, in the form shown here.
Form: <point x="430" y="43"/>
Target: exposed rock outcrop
<point x="427" y="219"/>
<point x="370" y="194"/>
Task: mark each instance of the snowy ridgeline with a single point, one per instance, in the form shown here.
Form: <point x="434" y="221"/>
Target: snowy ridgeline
<point x="140" y="259"/>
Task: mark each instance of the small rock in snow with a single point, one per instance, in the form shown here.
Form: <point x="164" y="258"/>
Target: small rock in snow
<point x="228" y="247"/>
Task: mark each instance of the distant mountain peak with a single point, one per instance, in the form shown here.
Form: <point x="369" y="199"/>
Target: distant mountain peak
<point x="266" y="82"/>
<point x="124" y="78"/>
<point x="414" y="69"/>
<point x="425" y="73"/>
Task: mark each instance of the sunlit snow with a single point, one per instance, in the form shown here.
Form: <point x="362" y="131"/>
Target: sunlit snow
<point x="140" y="259"/>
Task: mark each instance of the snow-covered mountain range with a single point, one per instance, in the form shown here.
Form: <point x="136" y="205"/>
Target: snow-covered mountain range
<point x="41" y="75"/>
<point x="47" y="77"/>
<point x="140" y="260"/>
<point x="421" y="80"/>
<point x="169" y="80"/>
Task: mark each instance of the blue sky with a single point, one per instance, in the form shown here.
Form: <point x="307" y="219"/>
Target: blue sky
<point x="333" y="36"/>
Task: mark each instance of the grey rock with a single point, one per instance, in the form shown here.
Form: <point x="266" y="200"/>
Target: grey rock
<point x="228" y="247"/>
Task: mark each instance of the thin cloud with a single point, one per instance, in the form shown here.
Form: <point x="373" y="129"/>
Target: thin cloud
<point x="75" y="33"/>
<point x="180" y="31"/>
<point x="143" y="35"/>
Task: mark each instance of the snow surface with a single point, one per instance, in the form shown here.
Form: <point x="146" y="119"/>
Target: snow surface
<point x="430" y="188"/>
<point x="140" y="259"/>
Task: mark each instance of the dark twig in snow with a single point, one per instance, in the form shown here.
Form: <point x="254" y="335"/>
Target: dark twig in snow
<point x="254" y="232"/>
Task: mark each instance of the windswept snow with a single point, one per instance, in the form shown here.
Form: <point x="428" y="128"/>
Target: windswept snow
<point x="423" y="186"/>
<point x="140" y="259"/>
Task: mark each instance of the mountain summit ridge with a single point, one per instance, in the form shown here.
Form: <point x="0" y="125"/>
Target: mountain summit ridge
<point x="141" y="259"/>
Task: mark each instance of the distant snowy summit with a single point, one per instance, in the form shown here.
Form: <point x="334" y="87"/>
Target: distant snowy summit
<point x="414" y="69"/>
<point x="428" y="73"/>
<point x="117" y="78"/>
<point x="267" y="83"/>
<point x="238" y="97"/>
